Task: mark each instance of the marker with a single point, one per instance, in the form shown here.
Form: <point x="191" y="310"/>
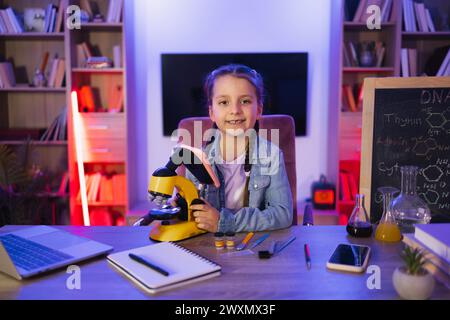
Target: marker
<point x="245" y="241"/>
<point x="147" y="263"/>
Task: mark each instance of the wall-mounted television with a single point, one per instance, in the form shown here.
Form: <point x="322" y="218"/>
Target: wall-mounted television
<point x="285" y="80"/>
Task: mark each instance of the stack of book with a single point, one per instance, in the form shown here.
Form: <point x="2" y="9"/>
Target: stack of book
<point x="352" y="53"/>
<point x="114" y="14"/>
<point x="98" y="62"/>
<point x="58" y="129"/>
<point x="416" y="17"/>
<point x="7" y="78"/>
<point x="434" y="241"/>
<point x="356" y="10"/>
<point x="352" y="97"/>
<point x="105" y="188"/>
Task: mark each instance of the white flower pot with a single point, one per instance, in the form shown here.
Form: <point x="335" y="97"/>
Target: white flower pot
<point x="413" y="287"/>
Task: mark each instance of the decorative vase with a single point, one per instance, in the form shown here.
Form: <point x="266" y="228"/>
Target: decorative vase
<point x="413" y="287"/>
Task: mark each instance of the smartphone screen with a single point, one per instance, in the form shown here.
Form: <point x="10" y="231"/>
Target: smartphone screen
<point x="350" y="255"/>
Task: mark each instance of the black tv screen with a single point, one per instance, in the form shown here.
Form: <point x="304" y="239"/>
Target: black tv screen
<point x="285" y="81"/>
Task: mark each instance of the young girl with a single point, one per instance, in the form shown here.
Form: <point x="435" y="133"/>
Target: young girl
<point x="254" y="194"/>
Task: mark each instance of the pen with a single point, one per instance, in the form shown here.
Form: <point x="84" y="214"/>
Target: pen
<point x="259" y="240"/>
<point x="307" y="256"/>
<point x="281" y="245"/>
<point x="245" y="241"/>
<point x="147" y="263"/>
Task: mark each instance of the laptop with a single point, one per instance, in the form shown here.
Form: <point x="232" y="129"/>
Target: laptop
<point x="31" y="251"/>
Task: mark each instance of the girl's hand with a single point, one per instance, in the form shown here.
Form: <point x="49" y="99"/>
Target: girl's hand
<point x="206" y="216"/>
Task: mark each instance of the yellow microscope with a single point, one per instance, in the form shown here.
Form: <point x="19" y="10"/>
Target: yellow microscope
<point x="177" y="223"/>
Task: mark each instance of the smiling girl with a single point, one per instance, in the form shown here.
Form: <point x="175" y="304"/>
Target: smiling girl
<point x="254" y="194"/>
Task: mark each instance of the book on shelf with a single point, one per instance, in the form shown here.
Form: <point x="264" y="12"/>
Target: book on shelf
<point x="64" y="184"/>
<point x="10" y="22"/>
<point x="115" y="101"/>
<point x="444" y="69"/>
<point x="84" y="52"/>
<point x="417" y="17"/>
<point x="419" y="10"/>
<point x="380" y="51"/>
<point x="119" y="188"/>
<point x="408" y="62"/>
<point x="56" y="73"/>
<point x="105" y="188"/>
<point x="117" y="57"/>
<point x="430" y="21"/>
<point x="352" y="97"/>
<point x="345" y="192"/>
<point x="412" y="62"/>
<point x="114" y="11"/>
<point x="59" y="18"/>
<point x="352" y="54"/>
<point x="349" y="98"/>
<point x="57" y="131"/>
<point x="404" y="62"/>
<point x="7" y="77"/>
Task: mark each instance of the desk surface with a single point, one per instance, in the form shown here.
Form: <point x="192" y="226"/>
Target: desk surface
<point x="243" y="277"/>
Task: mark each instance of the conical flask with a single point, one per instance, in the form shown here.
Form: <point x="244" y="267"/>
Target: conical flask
<point x="359" y="224"/>
<point x="409" y="209"/>
<point x="387" y="229"/>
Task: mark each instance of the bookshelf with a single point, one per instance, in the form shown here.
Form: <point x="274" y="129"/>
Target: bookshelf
<point x="24" y="107"/>
<point x="394" y="37"/>
<point x="26" y="110"/>
<point x="103" y="130"/>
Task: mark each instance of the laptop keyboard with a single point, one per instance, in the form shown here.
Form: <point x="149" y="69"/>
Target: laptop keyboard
<point x="30" y="255"/>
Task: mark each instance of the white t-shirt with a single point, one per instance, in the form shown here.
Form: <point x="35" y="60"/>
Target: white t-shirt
<point x="234" y="176"/>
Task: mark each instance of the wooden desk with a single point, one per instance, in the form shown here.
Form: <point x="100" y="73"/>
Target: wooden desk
<point x="246" y="277"/>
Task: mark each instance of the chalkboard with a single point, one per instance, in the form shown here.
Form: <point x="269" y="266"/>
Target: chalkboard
<point x="406" y="121"/>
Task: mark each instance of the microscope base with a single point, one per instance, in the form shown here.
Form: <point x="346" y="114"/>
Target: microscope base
<point x="175" y="232"/>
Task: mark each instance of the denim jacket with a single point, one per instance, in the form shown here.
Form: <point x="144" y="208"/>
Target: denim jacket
<point x="270" y="197"/>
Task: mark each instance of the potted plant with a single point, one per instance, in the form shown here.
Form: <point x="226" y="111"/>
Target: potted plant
<point x="412" y="281"/>
<point x="21" y="183"/>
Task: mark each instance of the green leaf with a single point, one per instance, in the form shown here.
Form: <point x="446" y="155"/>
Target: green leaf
<point x="11" y="171"/>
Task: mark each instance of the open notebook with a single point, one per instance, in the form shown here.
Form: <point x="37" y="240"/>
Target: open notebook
<point x="183" y="266"/>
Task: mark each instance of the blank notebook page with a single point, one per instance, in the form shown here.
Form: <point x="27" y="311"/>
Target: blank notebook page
<point x="181" y="263"/>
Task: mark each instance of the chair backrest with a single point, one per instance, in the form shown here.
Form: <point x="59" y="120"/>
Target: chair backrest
<point x="286" y="126"/>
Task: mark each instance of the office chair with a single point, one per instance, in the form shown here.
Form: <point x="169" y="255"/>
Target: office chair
<point x="286" y="126"/>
